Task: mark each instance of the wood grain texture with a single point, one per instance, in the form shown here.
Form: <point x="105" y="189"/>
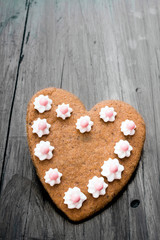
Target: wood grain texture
<point x="97" y="50"/>
<point x="12" y="22"/>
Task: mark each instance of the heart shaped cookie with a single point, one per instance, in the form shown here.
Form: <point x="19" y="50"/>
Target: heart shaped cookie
<point x="83" y="158"/>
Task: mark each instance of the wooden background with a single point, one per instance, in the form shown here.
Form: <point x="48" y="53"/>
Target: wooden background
<point x="97" y="49"/>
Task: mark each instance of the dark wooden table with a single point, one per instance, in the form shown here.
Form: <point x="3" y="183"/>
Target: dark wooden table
<point x="97" y="49"/>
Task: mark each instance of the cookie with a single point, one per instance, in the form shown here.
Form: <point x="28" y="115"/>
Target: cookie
<point x="83" y="158"/>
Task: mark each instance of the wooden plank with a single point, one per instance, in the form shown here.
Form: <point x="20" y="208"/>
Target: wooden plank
<point x="38" y="58"/>
<point x="12" y="21"/>
<point x="140" y="43"/>
<point x="13" y="208"/>
<point x="97" y="50"/>
<point x="72" y="53"/>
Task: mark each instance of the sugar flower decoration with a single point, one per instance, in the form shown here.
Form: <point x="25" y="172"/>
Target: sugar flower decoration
<point x="97" y="186"/>
<point x="42" y="103"/>
<point x="128" y="127"/>
<point x="107" y="114"/>
<point x="43" y="150"/>
<point x="52" y="176"/>
<point x="84" y="124"/>
<point x="123" y="149"/>
<point x="41" y="127"/>
<point x="112" y="169"/>
<point x="74" y="198"/>
<point x="64" y="111"/>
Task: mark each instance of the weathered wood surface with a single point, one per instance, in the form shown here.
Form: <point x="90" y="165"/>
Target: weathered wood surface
<point x="12" y="21"/>
<point x="98" y="50"/>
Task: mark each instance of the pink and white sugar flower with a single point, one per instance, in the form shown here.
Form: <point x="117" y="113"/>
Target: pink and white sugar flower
<point x="108" y="114"/>
<point x="43" y="150"/>
<point x="64" y="111"/>
<point x="128" y="127"/>
<point x="84" y="124"/>
<point x="41" y="127"/>
<point x="74" y="198"/>
<point x="97" y="186"/>
<point x="42" y="103"/>
<point x="53" y="176"/>
<point x="112" y="169"/>
<point x="123" y="149"/>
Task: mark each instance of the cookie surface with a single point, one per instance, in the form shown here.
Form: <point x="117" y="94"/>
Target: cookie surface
<point x="78" y="156"/>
